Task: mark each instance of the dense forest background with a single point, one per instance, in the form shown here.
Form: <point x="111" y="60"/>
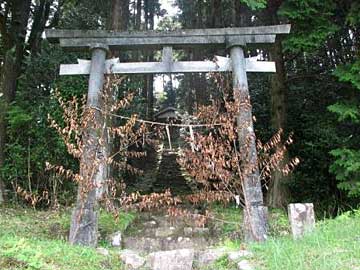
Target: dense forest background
<point x="314" y="94"/>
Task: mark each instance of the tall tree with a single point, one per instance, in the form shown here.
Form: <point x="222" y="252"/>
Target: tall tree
<point x="138" y="15"/>
<point x="149" y="10"/>
<point x="15" y="22"/>
<point x="13" y="26"/>
<point x="346" y="165"/>
<point x="119" y="15"/>
<point x="278" y="192"/>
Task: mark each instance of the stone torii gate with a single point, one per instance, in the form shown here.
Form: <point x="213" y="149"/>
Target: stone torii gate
<point x="84" y="229"/>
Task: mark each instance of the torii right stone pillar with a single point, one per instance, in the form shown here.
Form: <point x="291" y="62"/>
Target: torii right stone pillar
<point x="255" y="214"/>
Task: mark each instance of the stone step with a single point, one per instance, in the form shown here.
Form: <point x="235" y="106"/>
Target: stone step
<point x="167" y="221"/>
<point x="172" y="231"/>
<point x="151" y="244"/>
<point x="184" y="259"/>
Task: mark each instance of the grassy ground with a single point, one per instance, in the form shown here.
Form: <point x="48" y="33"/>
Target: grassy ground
<point x="36" y="240"/>
<point x="230" y="221"/>
<point x="334" y="245"/>
<point x="33" y="240"/>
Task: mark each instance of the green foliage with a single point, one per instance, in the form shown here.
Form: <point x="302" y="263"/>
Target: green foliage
<point x="333" y="245"/>
<point x="349" y="73"/>
<point x="346" y="112"/>
<point x="346" y="167"/>
<point x="31" y="142"/>
<point x="229" y="219"/>
<point x="315" y="135"/>
<point x="34" y="240"/>
<point x="255" y="4"/>
<point x="279" y="223"/>
<point x="87" y="15"/>
<point x="56" y="225"/>
<point x="224" y="264"/>
<point x="108" y="224"/>
<point x="309" y="30"/>
<point x="36" y="254"/>
<point x="353" y="17"/>
<point x="18" y="118"/>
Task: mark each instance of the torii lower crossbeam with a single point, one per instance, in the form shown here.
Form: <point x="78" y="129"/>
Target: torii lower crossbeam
<point x="220" y="64"/>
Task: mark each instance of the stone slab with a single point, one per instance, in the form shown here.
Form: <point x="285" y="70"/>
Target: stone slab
<point x="181" y="259"/>
<point x="302" y="218"/>
<point x="131" y="259"/>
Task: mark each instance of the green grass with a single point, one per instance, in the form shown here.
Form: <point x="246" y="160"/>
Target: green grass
<point x="334" y="245"/>
<point x="230" y="221"/>
<point x="54" y="225"/>
<point x="32" y="254"/>
<point x="32" y="240"/>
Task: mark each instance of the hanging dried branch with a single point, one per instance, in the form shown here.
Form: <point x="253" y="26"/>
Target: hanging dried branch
<point x="78" y="118"/>
<point x="213" y="157"/>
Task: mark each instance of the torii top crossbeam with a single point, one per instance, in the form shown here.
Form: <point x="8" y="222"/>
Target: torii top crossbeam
<point x="220" y="37"/>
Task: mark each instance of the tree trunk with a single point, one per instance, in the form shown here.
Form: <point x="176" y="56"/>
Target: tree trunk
<point x="278" y="193"/>
<point x="119" y="15"/>
<point x="41" y="16"/>
<point x="2" y="148"/>
<point x="149" y="7"/>
<point x="11" y="70"/>
<point x="13" y="43"/>
<point x="242" y="17"/>
<point x="216" y="14"/>
<point x="138" y="15"/>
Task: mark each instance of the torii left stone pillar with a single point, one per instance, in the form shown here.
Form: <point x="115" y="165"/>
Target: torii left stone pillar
<point x="93" y="167"/>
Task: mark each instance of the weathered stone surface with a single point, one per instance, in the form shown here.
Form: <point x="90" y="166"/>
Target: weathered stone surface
<point x="237" y="255"/>
<point x="115" y="239"/>
<point x="103" y="251"/>
<point x="245" y="265"/>
<point x="150" y="224"/>
<point x="165" y="231"/>
<point x="84" y="223"/>
<point x="160" y="232"/>
<point x="188" y="231"/>
<point x="255" y="221"/>
<point x="201" y="231"/>
<point x="83" y="68"/>
<point x="302" y="218"/>
<point x="73" y="34"/>
<point x="209" y="256"/>
<point x="151" y="244"/>
<point x="181" y="259"/>
<point x="131" y="259"/>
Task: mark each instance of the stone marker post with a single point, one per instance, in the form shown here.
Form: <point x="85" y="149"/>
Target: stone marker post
<point x="84" y="223"/>
<point x="302" y="218"/>
<point x="255" y="214"/>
